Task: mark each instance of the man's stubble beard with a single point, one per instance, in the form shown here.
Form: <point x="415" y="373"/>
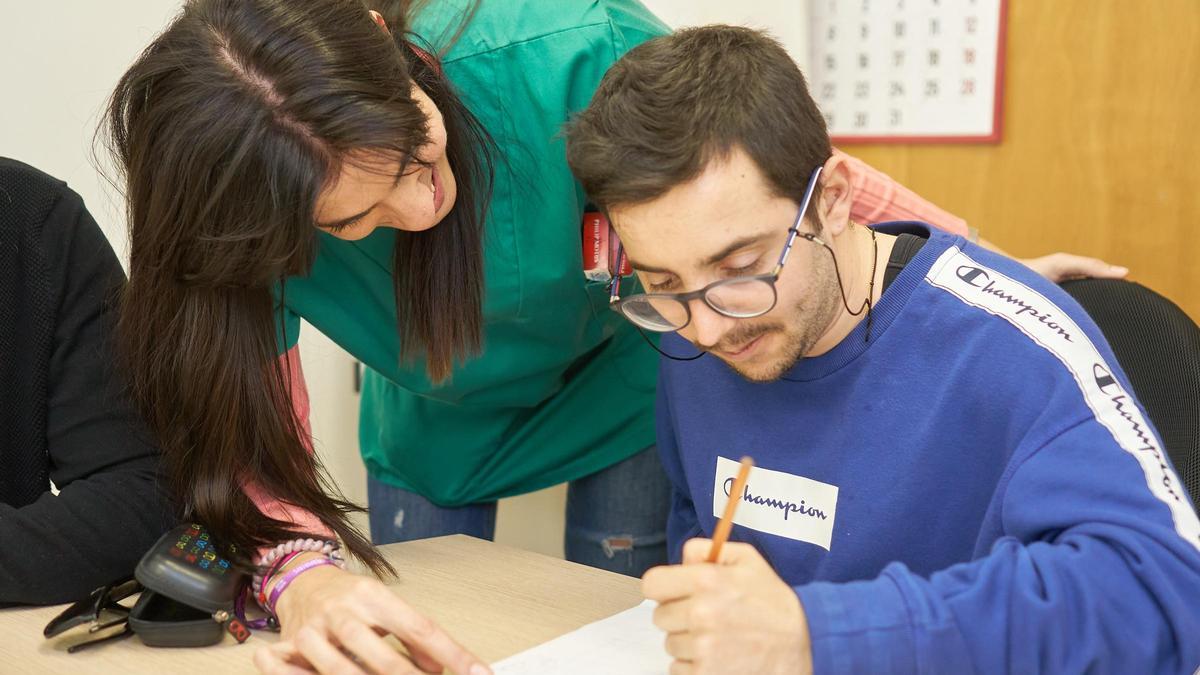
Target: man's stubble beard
<point x="810" y="318"/>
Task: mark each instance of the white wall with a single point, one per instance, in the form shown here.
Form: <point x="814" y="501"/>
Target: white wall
<point x="787" y="20"/>
<point x="58" y="63"/>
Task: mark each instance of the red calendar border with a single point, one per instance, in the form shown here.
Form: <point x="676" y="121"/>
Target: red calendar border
<point x="997" y="111"/>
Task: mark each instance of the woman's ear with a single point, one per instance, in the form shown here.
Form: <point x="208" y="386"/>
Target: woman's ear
<point x="380" y="21"/>
<point x="837" y="194"/>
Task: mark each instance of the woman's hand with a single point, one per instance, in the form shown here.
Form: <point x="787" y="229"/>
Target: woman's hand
<point x="336" y="622"/>
<point x="1058" y="267"/>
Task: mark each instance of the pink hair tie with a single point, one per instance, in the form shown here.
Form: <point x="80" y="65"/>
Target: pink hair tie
<point x="427" y="58"/>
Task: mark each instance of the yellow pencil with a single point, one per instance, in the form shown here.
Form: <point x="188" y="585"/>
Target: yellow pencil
<point x="725" y="525"/>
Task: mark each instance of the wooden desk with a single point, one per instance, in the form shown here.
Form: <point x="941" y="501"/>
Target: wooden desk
<point x="495" y="600"/>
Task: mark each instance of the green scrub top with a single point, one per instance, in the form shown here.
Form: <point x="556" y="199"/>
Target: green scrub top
<point x="564" y="387"/>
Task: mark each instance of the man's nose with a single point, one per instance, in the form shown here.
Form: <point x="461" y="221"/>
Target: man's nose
<point x="707" y="326"/>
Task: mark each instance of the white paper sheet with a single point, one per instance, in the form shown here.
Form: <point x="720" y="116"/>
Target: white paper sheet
<point x="626" y="643"/>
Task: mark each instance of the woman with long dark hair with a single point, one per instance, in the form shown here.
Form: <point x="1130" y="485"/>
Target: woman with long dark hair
<point x="404" y="189"/>
<point x="287" y="159"/>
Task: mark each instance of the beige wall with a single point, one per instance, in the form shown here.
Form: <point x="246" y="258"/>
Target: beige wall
<point x="59" y="61"/>
<point x="1100" y="153"/>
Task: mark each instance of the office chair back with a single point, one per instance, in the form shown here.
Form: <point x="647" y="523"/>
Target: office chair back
<point x="1158" y="347"/>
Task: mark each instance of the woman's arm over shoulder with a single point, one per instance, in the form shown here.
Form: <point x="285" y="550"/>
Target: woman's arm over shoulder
<point x="879" y="198"/>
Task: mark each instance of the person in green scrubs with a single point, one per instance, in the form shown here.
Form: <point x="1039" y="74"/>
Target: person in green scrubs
<point x="562" y="391"/>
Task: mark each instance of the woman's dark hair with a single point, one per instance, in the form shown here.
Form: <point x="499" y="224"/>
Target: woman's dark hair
<point x="227" y="128"/>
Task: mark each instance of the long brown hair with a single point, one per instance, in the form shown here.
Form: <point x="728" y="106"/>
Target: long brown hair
<point x="227" y="128"/>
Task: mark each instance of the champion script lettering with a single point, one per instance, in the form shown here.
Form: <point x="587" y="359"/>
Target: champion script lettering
<point x="975" y="277"/>
<point x="1109" y="386"/>
<point x="786" y="507"/>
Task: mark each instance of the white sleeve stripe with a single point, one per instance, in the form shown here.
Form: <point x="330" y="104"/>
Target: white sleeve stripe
<point x="1054" y="330"/>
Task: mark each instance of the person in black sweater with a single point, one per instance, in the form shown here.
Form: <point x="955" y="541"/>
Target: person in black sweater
<point x="64" y="416"/>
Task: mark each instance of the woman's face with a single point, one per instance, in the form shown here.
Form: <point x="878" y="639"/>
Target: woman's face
<point x="370" y="192"/>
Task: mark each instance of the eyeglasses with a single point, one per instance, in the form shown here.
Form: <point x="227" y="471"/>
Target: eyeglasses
<point x="737" y="298"/>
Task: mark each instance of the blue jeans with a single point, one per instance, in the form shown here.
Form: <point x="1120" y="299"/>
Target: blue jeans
<point x="616" y="517"/>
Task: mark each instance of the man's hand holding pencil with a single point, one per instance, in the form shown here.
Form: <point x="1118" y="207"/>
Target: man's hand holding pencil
<point x="725" y="610"/>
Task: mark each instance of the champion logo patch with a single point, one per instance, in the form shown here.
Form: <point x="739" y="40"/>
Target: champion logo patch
<point x="778" y="503"/>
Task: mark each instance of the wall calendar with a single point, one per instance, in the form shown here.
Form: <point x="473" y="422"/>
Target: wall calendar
<point x="908" y="71"/>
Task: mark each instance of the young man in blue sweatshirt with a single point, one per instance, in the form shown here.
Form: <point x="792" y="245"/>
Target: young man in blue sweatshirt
<point x="952" y="474"/>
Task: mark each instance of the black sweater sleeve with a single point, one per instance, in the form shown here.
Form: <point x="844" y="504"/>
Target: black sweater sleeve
<point x="110" y="508"/>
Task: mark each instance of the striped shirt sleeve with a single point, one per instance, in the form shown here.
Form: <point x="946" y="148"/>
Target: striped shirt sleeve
<point x="878" y="198"/>
<point x="302" y="521"/>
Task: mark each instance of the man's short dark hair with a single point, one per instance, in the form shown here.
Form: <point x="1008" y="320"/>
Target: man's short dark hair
<point x="675" y="103"/>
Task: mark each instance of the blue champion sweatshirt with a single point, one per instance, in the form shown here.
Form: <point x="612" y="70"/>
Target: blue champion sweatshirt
<point x="975" y="489"/>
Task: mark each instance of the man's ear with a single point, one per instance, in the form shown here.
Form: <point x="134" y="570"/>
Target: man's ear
<point x="837" y="194"/>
